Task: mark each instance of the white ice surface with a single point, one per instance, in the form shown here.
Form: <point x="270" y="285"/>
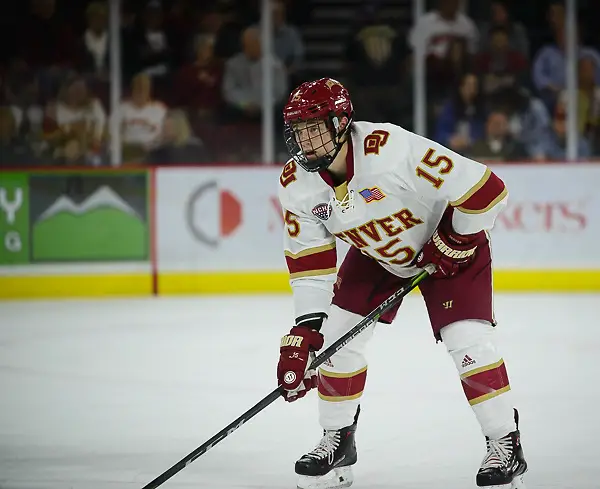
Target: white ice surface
<point x="109" y="394"/>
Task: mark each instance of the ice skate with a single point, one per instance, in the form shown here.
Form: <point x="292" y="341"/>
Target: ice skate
<point x="504" y="463"/>
<point x="329" y="465"/>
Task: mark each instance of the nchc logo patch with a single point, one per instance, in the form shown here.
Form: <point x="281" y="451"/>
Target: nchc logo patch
<point x="371" y="194"/>
<point x="322" y="211"/>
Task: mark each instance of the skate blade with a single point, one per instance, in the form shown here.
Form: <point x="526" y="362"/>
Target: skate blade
<point x="517" y="483"/>
<point x="336" y="479"/>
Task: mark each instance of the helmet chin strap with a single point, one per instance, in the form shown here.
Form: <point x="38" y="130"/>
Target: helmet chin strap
<point x="337" y="138"/>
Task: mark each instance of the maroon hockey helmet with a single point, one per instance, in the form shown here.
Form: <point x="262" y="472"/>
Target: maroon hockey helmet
<point x="312" y="122"/>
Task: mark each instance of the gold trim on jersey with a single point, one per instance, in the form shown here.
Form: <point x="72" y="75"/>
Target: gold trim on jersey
<point x="473" y="189"/>
<point x="487" y="397"/>
<point x="341" y="191"/>
<point x="493" y="203"/>
<point x="485" y="368"/>
<point x="313" y="273"/>
<point x="341" y="375"/>
<point x="310" y="251"/>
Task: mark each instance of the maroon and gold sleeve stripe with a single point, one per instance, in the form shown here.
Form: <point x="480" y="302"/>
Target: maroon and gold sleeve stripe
<point x="321" y="260"/>
<point x="484" y="195"/>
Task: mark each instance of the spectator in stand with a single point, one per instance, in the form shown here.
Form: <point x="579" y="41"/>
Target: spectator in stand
<point x="22" y="94"/>
<point x="242" y="83"/>
<point x="515" y="31"/>
<point x="461" y="121"/>
<point x="180" y="17"/>
<point x="549" y="68"/>
<point x="142" y="120"/>
<point x="436" y="30"/>
<point x="94" y="46"/>
<point x="93" y="51"/>
<point x="556" y="16"/>
<point x="231" y="26"/>
<point x="497" y="144"/>
<point x="588" y="99"/>
<point x="209" y="22"/>
<point x="458" y="63"/>
<point x="198" y="88"/>
<point x="500" y="66"/>
<point x="287" y="41"/>
<point x="46" y="42"/>
<point x="45" y="38"/>
<point x="75" y="125"/>
<point x="374" y="59"/>
<point x="177" y="144"/>
<point x="14" y="150"/>
<point x="541" y="33"/>
<point x="198" y="84"/>
<point x="438" y="27"/>
<point x="155" y="50"/>
<point x="555" y="144"/>
<point x="529" y="119"/>
<point x="129" y="33"/>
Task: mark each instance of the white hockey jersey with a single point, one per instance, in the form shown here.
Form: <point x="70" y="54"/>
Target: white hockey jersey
<point x="142" y="125"/>
<point x="398" y="187"/>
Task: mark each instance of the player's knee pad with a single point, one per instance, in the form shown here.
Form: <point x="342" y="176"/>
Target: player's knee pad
<point x="352" y="356"/>
<point x="482" y="373"/>
<point x="471" y="345"/>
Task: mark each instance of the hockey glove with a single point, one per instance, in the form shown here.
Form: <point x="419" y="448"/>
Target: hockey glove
<point x="449" y="251"/>
<point x="295" y="355"/>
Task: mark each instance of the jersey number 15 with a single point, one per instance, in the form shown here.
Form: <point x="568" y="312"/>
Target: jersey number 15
<point x="442" y="163"/>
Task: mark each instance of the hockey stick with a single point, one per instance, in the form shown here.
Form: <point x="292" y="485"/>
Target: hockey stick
<point x="367" y="321"/>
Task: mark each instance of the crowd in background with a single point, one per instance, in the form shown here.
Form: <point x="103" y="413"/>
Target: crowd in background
<point x="192" y="81"/>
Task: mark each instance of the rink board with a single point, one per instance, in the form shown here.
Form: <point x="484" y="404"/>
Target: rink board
<point x="123" y="285"/>
<point x="75" y="286"/>
<point x="214" y="230"/>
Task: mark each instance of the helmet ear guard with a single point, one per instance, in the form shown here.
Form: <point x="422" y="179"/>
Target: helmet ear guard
<point x="337" y="134"/>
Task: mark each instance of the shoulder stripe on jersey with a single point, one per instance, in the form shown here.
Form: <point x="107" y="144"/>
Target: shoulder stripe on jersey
<point x="492" y="204"/>
<point x="485" y="197"/>
<point x="473" y="189"/>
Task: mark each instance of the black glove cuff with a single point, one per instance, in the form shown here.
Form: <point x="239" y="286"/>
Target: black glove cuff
<point x="313" y="320"/>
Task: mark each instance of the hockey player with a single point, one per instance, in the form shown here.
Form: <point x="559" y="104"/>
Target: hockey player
<point x="401" y="201"/>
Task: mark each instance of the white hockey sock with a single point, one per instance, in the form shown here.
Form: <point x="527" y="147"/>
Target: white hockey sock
<point x="342" y="378"/>
<point x="483" y="375"/>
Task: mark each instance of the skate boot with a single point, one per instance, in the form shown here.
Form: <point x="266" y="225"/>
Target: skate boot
<point x="329" y="465"/>
<point x="504" y="464"/>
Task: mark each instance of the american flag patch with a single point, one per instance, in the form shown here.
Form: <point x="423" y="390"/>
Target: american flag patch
<point x="371" y="194"/>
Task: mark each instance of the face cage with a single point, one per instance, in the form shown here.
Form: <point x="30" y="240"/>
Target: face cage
<point x="294" y="145"/>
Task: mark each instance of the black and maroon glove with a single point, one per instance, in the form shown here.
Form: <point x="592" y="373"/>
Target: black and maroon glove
<point x="295" y="355"/>
<point x="449" y="251"/>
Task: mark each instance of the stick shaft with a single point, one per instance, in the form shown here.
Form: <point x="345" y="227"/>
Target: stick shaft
<point x="367" y="321"/>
